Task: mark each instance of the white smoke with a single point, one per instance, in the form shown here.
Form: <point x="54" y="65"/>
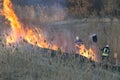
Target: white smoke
<point x="61" y="37"/>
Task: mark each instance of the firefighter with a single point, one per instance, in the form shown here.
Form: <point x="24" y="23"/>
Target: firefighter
<point x="105" y="52"/>
<point x="78" y="41"/>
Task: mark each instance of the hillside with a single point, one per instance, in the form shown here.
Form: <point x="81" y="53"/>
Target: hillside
<point x="38" y="42"/>
<point x="27" y="65"/>
<point x="32" y="63"/>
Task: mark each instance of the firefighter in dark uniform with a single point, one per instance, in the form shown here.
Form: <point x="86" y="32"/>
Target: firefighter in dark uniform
<point x="105" y="52"/>
<point x="78" y="42"/>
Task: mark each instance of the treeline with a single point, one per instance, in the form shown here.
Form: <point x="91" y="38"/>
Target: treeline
<point x="79" y="8"/>
<point x="94" y="7"/>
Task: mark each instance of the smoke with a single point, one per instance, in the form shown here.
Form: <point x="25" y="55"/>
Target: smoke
<point x="61" y="37"/>
<point x="64" y="40"/>
<point x="36" y="14"/>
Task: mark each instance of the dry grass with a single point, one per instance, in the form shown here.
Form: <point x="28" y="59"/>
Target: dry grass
<point x="28" y="63"/>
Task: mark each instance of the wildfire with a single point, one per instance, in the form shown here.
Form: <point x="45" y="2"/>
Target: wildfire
<point x="19" y="32"/>
<point x="88" y="53"/>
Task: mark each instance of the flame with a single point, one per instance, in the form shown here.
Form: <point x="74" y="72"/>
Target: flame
<point x="88" y="53"/>
<point x="8" y="12"/>
<point x="19" y="32"/>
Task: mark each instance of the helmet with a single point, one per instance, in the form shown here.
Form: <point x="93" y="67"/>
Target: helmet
<point x="107" y="45"/>
<point x="77" y="38"/>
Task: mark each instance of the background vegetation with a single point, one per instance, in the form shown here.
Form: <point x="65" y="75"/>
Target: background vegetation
<point x="81" y="8"/>
<point x="94" y="7"/>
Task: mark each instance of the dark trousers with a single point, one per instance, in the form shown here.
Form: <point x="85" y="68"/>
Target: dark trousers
<point x="105" y="58"/>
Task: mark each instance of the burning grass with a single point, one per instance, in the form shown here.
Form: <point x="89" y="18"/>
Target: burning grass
<point x="19" y="31"/>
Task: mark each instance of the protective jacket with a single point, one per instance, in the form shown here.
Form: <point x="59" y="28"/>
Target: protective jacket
<point x="105" y="51"/>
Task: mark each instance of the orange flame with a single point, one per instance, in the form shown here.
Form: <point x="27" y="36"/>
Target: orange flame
<point x="14" y="22"/>
<point x="19" y="32"/>
<point x="88" y="53"/>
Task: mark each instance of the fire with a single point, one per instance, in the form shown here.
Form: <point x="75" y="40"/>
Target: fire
<point x="88" y="53"/>
<point x="8" y="12"/>
<point x="19" y="32"/>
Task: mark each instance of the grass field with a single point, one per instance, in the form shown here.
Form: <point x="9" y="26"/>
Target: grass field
<point x="32" y="63"/>
<point x="27" y="65"/>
